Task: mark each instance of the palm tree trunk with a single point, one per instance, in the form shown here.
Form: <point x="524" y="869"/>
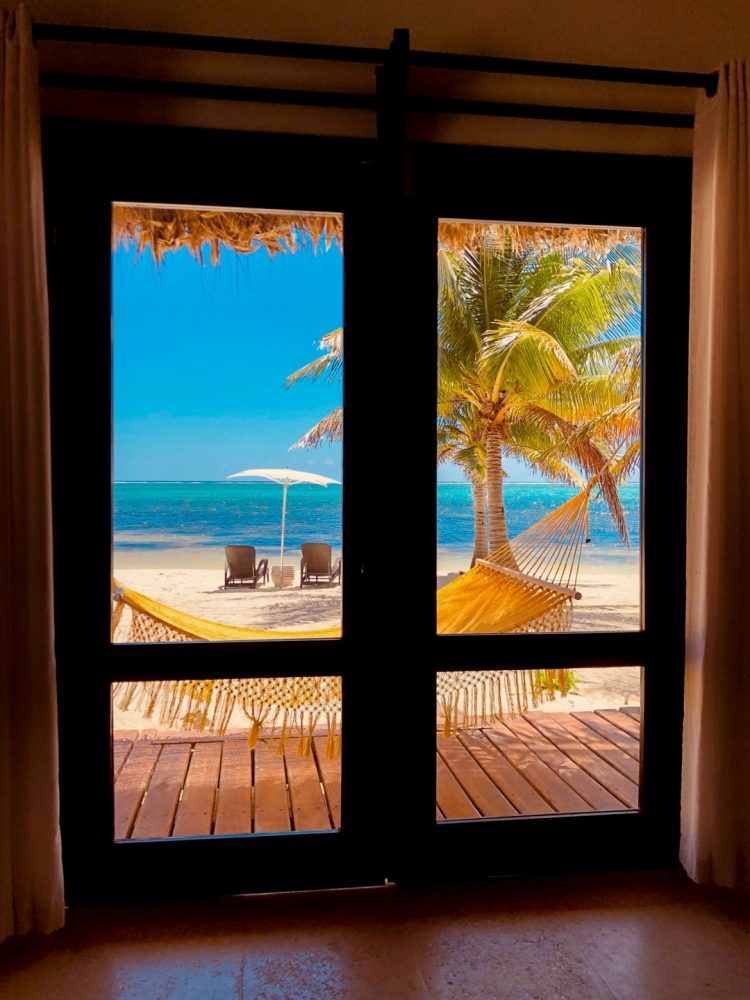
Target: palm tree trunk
<point x="498" y="526"/>
<point x="480" y="520"/>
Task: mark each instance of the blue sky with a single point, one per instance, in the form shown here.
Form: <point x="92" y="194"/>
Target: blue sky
<point x="201" y="354"/>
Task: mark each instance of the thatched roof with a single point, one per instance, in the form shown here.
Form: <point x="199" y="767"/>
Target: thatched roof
<point x="462" y="235"/>
<point x="165" y="229"/>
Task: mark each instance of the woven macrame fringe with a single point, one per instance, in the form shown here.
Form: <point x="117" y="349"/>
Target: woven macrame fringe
<point x="474" y="698"/>
<point x="284" y="710"/>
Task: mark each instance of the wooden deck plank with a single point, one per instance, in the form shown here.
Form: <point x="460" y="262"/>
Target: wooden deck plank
<point x="564" y="766"/>
<point x="271" y="798"/>
<point x="187" y="736"/>
<point x="620" y="739"/>
<point x="523" y="796"/>
<point x="120" y="752"/>
<point x="131" y="785"/>
<point x="234" y="805"/>
<point x="482" y="791"/>
<point x="452" y="800"/>
<point x="195" y="812"/>
<point x="632" y="710"/>
<point x="330" y="771"/>
<point x="157" y="813"/>
<point x="545" y="780"/>
<point x="125" y="734"/>
<point x="309" y="807"/>
<point x="600" y="745"/>
<point x="623" y="789"/>
<point x="622" y="720"/>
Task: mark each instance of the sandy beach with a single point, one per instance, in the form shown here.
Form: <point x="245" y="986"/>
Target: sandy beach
<point x="609" y="602"/>
<point x="609" y="599"/>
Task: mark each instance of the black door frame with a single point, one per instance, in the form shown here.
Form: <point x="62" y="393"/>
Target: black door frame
<point x="194" y="167"/>
<point x="404" y="187"/>
<point x="548" y="187"/>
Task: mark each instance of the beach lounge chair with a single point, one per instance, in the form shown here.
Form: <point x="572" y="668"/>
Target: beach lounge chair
<point x="316" y="567"/>
<point x="240" y="569"/>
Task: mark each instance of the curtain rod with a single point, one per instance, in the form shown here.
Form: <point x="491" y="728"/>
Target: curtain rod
<point x="360" y="102"/>
<point x="359" y="54"/>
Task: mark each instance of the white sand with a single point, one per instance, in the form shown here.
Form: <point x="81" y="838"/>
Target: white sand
<point x="599" y="687"/>
<point x="201" y="592"/>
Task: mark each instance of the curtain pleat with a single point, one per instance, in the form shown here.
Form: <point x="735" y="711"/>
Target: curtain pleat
<point x="715" y="843"/>
<point x="31" y="886"/>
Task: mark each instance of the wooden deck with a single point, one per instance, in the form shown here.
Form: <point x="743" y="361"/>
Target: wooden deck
<point x="540" y="763"/>
<point x="190" y="785"/>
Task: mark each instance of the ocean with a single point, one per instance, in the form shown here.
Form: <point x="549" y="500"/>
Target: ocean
<point x="190" y="522"/>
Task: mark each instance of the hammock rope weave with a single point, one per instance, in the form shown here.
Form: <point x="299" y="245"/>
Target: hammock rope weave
<point x="284" y="709"/>
<point x="527" y="585"/>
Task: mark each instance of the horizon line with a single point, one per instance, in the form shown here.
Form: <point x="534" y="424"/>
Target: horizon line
<point x="235" y="482"/>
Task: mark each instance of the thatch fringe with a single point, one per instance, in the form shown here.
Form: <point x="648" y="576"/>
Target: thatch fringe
<point x="465" y="235"/>
<point x="164" y="229"/>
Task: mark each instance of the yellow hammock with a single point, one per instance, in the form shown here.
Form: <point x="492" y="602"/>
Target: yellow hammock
<point x="527" y="585"/>
<point x="152" y="621"/>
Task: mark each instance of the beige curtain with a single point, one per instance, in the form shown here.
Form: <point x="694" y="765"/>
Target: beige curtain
<point x="31" y="891"/>
<point x="715" y="843"/>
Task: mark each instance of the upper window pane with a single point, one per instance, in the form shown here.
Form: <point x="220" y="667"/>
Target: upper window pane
<point x="227" y="389"/>
<point x="538" y="428"/>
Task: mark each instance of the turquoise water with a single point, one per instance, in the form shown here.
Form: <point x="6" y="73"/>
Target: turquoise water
<point x="527" y="503"/>
<point x="154" y="517"/>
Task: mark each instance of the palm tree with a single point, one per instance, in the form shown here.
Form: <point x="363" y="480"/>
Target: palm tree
<point x="461" y="440"/>
<point x="522" y="341"/>
<point x="539" y="359"/>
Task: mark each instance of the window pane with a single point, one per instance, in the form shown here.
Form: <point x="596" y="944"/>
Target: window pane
<point x="538" y="428"/>
<point x="227" y="385"/>
<point x="531" y="743"/>
<point x="201" y="758"/>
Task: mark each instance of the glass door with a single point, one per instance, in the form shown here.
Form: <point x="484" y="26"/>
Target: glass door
<point x="557" y="339"/>
<point x="292" y="653"/>
<point x="205" y="497"/>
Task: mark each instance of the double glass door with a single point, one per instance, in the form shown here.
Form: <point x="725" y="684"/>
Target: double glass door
<point x="383" y="517"/>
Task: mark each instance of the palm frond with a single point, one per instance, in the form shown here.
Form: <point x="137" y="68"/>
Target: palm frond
<point x="603" y="354"/>
<point x="586" y="397"/>
<point x="573" y="446"/>
<point x="589" y="304"/>
<point x="329" y="430"/>
<point x="553" y="469"/>
<point x="523" y="358"/>
<point x="626" y="464"/>
<point x="330" y="364"/>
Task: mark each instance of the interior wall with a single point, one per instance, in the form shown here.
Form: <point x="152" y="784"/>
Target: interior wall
<point x="668" y="34"/>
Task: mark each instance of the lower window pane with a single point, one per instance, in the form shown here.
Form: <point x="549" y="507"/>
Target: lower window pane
<point x="202" y="758"/>
<point x="529" y="743"/>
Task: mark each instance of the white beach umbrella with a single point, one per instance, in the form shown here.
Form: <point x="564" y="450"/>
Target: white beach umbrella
<point x="285" y="478"/>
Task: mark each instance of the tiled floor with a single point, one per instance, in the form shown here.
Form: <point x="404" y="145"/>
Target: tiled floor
<point x="629" y="937"/>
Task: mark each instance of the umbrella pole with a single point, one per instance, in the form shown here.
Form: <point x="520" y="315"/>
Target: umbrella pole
<point x="283" y="525"/>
